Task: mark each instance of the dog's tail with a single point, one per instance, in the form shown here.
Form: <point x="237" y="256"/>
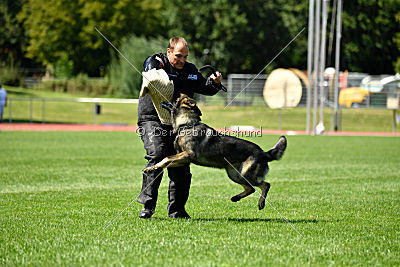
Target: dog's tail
<point x="277" y="151"/>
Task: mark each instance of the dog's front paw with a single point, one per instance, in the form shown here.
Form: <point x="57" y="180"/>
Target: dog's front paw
<point x="235" y="198"/>
<point x="150" y="169"/>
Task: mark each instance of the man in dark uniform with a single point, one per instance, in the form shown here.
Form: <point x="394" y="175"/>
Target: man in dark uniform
<point x="158" y="137"/>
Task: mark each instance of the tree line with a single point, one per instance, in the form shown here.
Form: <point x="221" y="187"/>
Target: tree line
<point x="236" y="36"/>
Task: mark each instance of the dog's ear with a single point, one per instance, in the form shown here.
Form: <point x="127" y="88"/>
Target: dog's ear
<point x="182" y="95"/>
<point x="189" y="103"/>
<point x="185" y="103"/>
<point x="180" y="99"/>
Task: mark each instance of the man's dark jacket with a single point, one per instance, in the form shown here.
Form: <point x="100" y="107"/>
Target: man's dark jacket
<point x="187" y="81"/>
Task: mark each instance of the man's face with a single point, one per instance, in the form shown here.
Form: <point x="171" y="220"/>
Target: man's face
<point x="178" y="56"/>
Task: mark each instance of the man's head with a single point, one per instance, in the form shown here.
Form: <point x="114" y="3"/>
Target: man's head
<point x="177" y="52"/>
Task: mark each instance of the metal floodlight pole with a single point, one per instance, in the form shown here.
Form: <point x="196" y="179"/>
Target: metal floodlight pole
<point x="332" y="28"/>
<point x="316" y="62"/>
<point x="337" y="58"/>
<point x="309" y="61"/>
<point x="322" y="61"/>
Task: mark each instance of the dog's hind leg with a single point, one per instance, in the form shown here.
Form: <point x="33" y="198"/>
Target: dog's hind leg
<point x="236" y="177"/>
<point x="264" y="186"/>
<point x="248" y="190"/>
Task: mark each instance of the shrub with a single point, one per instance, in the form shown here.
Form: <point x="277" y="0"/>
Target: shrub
<point x="10" y="75"/>
<point x="397" y="65"/>
<point x="123" y="77"/>
<point x="64" y="67"/>
<point x="81" y="84"/>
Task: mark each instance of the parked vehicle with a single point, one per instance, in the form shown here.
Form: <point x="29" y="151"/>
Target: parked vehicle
<point x="353" y="96"/>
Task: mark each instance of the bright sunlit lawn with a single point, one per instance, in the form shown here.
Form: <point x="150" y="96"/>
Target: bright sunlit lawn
<point x="59" y="190"/>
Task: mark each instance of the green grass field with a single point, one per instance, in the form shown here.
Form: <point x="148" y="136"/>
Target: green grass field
<point x="60" y="189"/>
<point x="379" y="120"/>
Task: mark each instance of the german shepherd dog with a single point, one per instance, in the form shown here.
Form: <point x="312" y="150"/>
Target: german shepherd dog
<point x="245" y="162"/>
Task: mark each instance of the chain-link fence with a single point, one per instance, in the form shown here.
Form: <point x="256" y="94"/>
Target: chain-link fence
<point x="243" y="90"/>
<point x="355" y="91"/>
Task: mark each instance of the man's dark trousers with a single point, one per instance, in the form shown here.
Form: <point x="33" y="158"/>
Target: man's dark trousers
<point x="158" y="141"/>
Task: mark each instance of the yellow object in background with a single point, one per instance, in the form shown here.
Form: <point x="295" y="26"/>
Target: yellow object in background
<point x="349" y="96"/>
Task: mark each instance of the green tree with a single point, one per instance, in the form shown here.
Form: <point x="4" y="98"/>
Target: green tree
<point x="124" y="78"/>
<point x="210" y="27"/>
<point x="241" y="36"/>
<point x="369" y="35"/>
<point x="64" y="27"/>
<point x="271" y="26"/>
<point x="396" y="39"/>
<point x="233" y="35"/>
<point x="13" y="38"/>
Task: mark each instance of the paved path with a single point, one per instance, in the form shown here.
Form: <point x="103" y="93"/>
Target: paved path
<point x="125" y="128"/>
<point x="64" y="127"/>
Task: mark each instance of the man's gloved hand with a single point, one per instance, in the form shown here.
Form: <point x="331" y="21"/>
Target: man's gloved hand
<point x="218" y="78"/>
<point x="214" y="84"/>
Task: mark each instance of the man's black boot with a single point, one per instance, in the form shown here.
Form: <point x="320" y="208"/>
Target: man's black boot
<point x="180" y="214"/>
<point x="146" y="213"/>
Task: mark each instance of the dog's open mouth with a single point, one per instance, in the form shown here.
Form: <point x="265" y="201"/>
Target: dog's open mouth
<point x="183" y="101"/>
<point x="187" y="103"/>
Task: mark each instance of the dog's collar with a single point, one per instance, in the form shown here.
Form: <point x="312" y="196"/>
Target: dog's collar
<point x="186" y="126"/>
